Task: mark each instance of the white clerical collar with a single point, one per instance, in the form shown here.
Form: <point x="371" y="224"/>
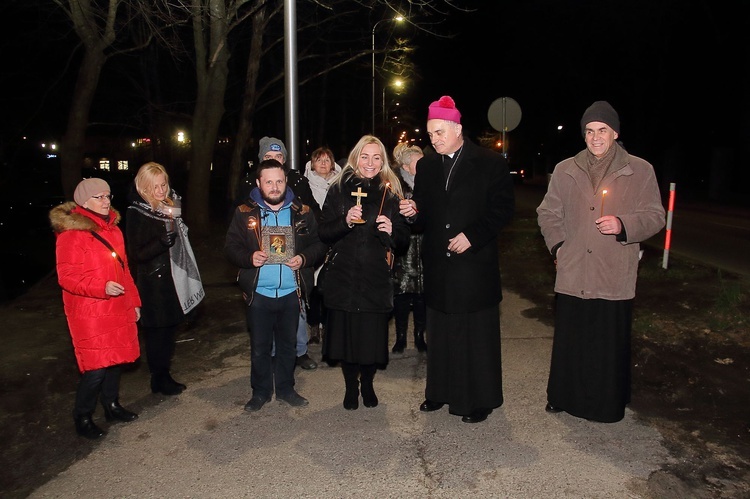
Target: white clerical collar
<point x="456" y="151"/>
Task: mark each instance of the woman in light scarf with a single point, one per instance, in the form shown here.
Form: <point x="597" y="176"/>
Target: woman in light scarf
<point x="319" y="171"/>
<point x="167" y="275"/>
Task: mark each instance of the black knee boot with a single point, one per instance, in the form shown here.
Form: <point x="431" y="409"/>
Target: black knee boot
<point x="369" y="399"/>
<point x="86" y="427"/>
<point x="114" y="411"/>
<point x="351" y="397"/>
<point x="159" y="347"/>
<point x="400" y="344"/>
<point x="162" y="382"/>
<point x="419" y="340"/>
<point x="401" y="306"/>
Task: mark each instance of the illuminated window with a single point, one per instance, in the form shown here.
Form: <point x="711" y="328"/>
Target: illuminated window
<point x="104" y="165"/>
<point x="122" y="166"/>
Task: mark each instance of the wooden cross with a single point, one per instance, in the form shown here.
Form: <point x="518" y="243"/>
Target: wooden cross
<point x="359" y="195"/>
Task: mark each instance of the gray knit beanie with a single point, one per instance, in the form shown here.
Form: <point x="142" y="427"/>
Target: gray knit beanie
<point x="601" y="111"/>
<point x="271" y="144"/>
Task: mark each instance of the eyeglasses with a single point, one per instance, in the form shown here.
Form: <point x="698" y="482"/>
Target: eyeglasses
<point x="108" y="196"/>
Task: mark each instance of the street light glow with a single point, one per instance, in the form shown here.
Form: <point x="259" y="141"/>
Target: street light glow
<point x="399" y="18"/>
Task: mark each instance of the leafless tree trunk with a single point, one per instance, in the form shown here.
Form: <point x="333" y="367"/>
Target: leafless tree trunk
<point x="95" y="39"/>
<point x="249" y="101"/>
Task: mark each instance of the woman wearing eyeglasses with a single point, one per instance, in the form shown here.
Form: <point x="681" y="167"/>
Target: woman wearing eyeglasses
<point x="101" y="301"/>
<point x="166" y="273"/>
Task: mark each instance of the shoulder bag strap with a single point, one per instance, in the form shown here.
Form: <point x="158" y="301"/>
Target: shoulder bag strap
<point x="109" y="246"/>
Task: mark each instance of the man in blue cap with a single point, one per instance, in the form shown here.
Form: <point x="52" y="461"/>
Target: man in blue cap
<point x="273" y="148"/>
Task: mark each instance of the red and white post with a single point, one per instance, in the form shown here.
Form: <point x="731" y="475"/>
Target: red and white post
<point x="668" y="239"/>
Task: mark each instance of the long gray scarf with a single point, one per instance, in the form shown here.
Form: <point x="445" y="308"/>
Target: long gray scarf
<point x="185" y="275"/>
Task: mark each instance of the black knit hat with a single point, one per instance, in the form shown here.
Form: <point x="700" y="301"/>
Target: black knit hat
<point x="602" y="111"/>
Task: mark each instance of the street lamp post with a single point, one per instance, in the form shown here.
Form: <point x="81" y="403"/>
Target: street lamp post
<point x="397" y="19"/>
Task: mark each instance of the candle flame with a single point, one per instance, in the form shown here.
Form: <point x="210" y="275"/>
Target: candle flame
<point x="390" y="188"/>
<point x="604" y="192"/>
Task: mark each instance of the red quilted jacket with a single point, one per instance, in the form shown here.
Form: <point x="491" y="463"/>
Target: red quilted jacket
<point x="103" y="327"/>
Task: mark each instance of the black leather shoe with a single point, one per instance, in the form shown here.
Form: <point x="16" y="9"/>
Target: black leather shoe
<point x="400" y="344"/>
<point x="171" y="380"/>
<point x="114" y="410"/>
<point x="477" y="416"/>
<point x="293" y="398"/>
<point x="305" y="362"/>
<point x="85" y="427"/>
<point x="429" y="406"/>
<point x="164" y="384"/>
<point x="256" y="403"/>
<point x="551" y="408"/>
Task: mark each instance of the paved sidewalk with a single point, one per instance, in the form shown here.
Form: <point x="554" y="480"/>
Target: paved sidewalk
<point x="202" y="444"/>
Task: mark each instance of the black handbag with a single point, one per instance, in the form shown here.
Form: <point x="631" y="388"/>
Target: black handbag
<point x="327" y="264"/>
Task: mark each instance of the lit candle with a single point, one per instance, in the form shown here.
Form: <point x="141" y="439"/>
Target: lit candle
<point x="252" y="224"/>
<point x="601" y="213"/>
<point x="385" y="189"/>
<point x="390" y="187"/>
<point x="402" y="198"/>
<point x="170" y="222"/>
<point x="117" y="265"/>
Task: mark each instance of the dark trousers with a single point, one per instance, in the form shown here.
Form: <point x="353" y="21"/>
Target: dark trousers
<point x="273" y="320"/>
<point x="402" y="303"/>
<point x="316" y="315"/>
<point x="105" y="380"/>
<point x="159" y="348"/>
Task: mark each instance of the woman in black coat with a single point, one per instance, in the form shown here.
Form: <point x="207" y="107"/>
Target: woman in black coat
<point x="362" y="224"/>
<point x="166" y="274"/>
<point x="408" y="281"/>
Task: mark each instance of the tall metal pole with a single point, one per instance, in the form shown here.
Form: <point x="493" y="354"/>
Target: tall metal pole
<point x="290" y="83"/>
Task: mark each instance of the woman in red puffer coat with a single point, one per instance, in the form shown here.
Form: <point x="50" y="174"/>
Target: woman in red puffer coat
<point x="101" y="301"/>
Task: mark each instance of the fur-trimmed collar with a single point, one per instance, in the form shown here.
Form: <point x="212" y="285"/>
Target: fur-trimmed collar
<point x="67" y="217"/>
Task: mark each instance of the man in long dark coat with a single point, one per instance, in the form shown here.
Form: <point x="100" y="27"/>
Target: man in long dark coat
<point x="599" y="206"/>
<point x="463" y="196"/>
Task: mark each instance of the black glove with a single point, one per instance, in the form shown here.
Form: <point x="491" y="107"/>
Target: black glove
<point x="168" y="239"/>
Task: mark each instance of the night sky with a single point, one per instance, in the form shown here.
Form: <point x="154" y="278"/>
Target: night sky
<point x="675" y="70"/>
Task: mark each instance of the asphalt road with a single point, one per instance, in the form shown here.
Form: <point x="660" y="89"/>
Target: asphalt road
<point x="717" y="236"/>
<point x="202" y="444"/>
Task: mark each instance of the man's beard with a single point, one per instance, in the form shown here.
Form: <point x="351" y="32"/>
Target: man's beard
<point x="272" y="201"/>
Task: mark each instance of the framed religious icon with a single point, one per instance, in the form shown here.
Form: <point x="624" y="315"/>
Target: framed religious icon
<point x="278" y="243"/>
